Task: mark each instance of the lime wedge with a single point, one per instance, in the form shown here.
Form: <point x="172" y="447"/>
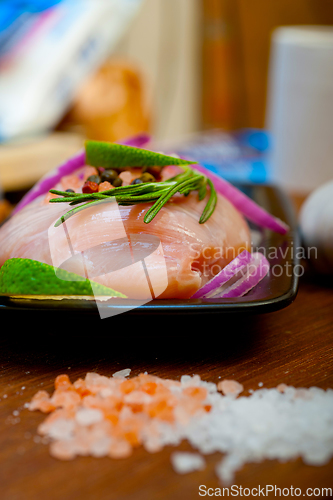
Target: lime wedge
<point x="111" y="155"/>
<point x="31" y="277"/>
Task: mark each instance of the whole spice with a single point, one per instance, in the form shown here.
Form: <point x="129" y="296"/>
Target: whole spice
<point x="109" y="175"/>
<point x="157" y="192"/>
<point x="90" y="187"/>
<point x="117" y="182"/>
<point x="147" y="177"/>
<point x="94" y="178"/>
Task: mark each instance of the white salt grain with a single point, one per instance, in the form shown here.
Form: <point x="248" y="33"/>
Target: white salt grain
<point x="266" y="425"/>
<point x="185" y="462"/>
<point x="122" y="373"/>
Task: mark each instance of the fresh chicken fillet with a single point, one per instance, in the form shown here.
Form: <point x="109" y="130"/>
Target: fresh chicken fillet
<point x="171" y="257"/>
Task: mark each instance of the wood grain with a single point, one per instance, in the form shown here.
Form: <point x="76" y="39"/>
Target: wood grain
<point x="294" y="346"/>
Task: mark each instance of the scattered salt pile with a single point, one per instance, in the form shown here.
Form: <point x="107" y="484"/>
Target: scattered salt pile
<point x="110" y="416"/>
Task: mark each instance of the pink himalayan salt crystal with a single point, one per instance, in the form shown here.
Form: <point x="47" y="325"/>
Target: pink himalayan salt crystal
<point x="58" y="414"/>
<point x="49" y="197"/>
<point x="281" y="388"/>
<point x="100" y="447"/>
<point x="88" y="416"/>
<point x="117" y="411"/>
<point x="127" y="177"/>
<point x="88" y="171"/>
<point x="71" y="181"/>
<point x="63" y="450"/>
<point x="61" y="429"/>
<point x="137" y="398"/>
<point x="153" y="444"/>
<point x="92" y="379"/>
<point x="41" y="401"/>
<point x="93" y="440"/>
<point x="120" y="449"/>
<point x="95" y="382"/>
<point x="65" y="399"/>
<point x="105" y="186"/>
<point x="230" y="387"/>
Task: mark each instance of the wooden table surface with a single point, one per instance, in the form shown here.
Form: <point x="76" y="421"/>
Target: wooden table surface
<point x="293" y="345"/>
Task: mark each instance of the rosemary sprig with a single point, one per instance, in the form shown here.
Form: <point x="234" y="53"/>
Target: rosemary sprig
<point x="157" y="192"/>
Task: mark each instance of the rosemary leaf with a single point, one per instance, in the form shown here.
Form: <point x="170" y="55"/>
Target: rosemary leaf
<point x="211" y="204"/>
<point x="75" y="210"/>
<point x="203" y="189"/>
<point x="64" y="193"/>
<point x="152" y="212"/>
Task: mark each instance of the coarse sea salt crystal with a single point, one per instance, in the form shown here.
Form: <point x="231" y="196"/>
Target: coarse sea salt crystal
<point x="122" y="373"/>
<point x="185" y="462"/>
<point x="266" y="425"/>
<point x="187" y="380"/>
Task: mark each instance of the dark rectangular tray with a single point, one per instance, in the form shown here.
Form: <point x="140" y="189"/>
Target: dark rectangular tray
<point x="277" y="290"/>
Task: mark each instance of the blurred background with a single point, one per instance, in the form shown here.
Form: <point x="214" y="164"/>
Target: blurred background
<point x="201" y="76"/>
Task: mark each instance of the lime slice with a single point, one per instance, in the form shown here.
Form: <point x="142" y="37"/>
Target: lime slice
<point x="31" y="277"/>
<point x="111" y="155"/>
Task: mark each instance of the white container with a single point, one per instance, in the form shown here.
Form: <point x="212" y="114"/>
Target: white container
<point x="300" y="107"/>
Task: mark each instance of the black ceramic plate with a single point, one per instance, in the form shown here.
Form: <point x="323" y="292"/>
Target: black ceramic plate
<point x="276" y="291"/>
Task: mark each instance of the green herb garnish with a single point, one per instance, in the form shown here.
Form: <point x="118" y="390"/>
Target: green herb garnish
<point x="111" y="155"/>
<point x="160" y="192"/>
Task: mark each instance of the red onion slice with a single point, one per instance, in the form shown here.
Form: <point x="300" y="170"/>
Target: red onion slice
<point x="244" y="204"/>
<point x="77" y="161"/>
<point x="257" y="269"/>
<point x="224" y="276"/>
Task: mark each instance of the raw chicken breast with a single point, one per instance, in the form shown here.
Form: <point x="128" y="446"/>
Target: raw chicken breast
<point x="112" y="245"/>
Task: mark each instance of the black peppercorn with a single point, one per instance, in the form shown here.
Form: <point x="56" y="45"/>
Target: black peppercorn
<point x="94" y="178"/>
<point x="147" y="177"/>
<point x="109" y="175"/>
<point x="154" y="170"/>
<point x="117" y="182"/>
